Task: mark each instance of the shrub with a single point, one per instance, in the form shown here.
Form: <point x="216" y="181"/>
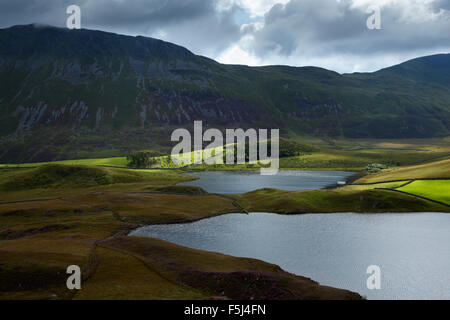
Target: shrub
<point x="141" y="160"/>
<point x="375" y="167"/>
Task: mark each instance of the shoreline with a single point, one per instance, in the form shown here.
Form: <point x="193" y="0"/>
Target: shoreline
<point x="281" y="265"/>
<point x="94" y="223"/>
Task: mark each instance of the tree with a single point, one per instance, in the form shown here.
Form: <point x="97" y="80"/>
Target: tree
<point x="141" y="160"/>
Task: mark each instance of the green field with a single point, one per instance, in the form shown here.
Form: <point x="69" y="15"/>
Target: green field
<point x="436" y="169"/>
<point x="384" y="185"/>
<point x="433" y="189"/>
<point x="438" y="190"/>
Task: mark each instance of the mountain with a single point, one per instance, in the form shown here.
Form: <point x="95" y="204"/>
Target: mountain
<point x="73" y="93"/>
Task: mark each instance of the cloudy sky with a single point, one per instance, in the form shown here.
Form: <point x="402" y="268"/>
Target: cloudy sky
<point x="332" y="34"/>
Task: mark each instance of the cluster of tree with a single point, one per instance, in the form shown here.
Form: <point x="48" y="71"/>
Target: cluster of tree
<point x="149" y="158"/>
<point x="287" y="148"/>
<point x="143" y="159"/>
<point x="291" y="148"/>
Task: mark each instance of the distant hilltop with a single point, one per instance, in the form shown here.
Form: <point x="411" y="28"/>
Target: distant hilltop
<point x="60" y="82"/>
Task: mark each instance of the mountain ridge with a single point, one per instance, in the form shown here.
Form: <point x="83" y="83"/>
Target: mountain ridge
<point x="77" y="83"/>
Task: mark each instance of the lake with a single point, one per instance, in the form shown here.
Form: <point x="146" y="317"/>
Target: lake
<point x="411" y="249"/>
<point x="245" y="181"/>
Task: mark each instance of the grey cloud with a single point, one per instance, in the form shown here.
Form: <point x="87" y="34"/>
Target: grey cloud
<point x="195" y="24"/>
<point x="30" y="11"/>
<point x="439" y="5"/>
<point x="299" y="30"/>
<point x="139" y="15"/>
<point x="329" y="27"/>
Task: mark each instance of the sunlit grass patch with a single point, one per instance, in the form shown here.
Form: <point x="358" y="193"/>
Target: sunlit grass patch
<point x="433" y="189"/>
<point x="436" y="169"/>
<point x="386" y="185"/>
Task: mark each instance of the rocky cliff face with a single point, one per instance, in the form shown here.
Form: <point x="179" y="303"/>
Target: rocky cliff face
<point x="57" y="77"/>
<point x="82" y="81"/>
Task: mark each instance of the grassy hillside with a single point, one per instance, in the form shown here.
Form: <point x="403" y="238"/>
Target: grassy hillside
<point x="119" y="93"/>
<point x="415" y="180"/>
<point x="437" y="169"/>
<point x="329" y="201"/>
<point x="65" y="176"/>
<point x="311" y="153"/>
<point x="371" y="193"/>
<point x="433" y="189"/>
<point x="52" y="216"/>
<point x="85" y="226"/>
<point x="114" y="162"/>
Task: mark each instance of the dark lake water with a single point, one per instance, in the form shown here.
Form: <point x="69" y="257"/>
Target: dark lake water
<point x="412" y="249"/>
<point x="245" y="181"/>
